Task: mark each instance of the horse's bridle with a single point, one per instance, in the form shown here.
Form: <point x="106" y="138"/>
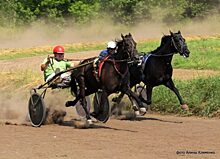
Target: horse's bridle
<point x="175" y="46"/>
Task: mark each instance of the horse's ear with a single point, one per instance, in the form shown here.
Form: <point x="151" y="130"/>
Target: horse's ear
<point x="122" y="36"/>
<point x="179" y="32"/>
<point x="171" y="33"/>
<point x="129" y="34"/>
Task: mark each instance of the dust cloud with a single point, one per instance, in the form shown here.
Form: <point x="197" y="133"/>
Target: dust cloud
<point x="13" y="108"/>
<point x="102" y="31"/>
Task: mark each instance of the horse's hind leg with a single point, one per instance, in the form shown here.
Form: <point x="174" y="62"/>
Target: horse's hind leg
<point x="140" y="107"/>
<point x="172" y="87"/>
<point x="74" y="92"/>
<point x="83" y="99"/>
<point x="149" y="90"/>
<point x="72" y="103"/>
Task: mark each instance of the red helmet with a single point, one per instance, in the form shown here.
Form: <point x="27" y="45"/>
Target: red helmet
<point x="58" y="49"/>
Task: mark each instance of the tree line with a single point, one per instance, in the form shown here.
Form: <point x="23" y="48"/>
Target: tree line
<point x="61" y="12"/>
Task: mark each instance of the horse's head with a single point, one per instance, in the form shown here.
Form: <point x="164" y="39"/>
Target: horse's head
<point x="127" y="47"/>
<point x="179" y="44"/>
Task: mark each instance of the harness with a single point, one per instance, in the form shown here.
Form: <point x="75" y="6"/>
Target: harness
<point x="146" y="56"/>
<point x="115" y="62"/>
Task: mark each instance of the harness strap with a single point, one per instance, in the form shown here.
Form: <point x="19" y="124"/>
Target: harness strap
<point x="121" y="74"/>
<point x="174" y="44"/>
<point x="101" y="65"/>
<point x="114" y="64"/>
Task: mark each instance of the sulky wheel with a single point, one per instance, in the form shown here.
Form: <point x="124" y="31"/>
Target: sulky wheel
<point x="101" y="112"/>
<point x="36" y="110"/>
<point x="141" y="91"/>
<point x="79" y="109"/>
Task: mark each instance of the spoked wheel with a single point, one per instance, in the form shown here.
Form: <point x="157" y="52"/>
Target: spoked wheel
<point x="36" y="110"/>
<point x="79" y="109"/>
<point x="141" y="91"/>
<point x="101" y="112"/>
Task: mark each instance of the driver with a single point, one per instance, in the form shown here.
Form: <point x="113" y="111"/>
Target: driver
<point x="54" y="64"/>
<point x="111" y="49"/>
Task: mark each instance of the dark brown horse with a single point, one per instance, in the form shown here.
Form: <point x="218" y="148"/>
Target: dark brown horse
<point x="157" y="69"/>
<point x="114" y="76"/>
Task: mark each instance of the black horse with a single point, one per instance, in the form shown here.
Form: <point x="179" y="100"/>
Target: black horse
<point x="156" y="68"/>
<point x="114" y="76"/>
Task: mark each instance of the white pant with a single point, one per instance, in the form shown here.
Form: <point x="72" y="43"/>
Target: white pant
<point x="62" y="76"/>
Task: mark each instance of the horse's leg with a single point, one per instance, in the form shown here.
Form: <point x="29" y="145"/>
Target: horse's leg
<point x="172" y="87"/>
<point x="149" y="90"/>
<point x="72" y="103"/>
<point x="141" y="107"/>
<point x="83" y="99"/>
<point x="74" y="91"/>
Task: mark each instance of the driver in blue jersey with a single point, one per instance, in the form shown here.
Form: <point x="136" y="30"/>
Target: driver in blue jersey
<point x="111" y="49"/>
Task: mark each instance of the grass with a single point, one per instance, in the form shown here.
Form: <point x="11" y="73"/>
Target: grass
<point x="201" y="95"/>
<point x="19" y="81"/>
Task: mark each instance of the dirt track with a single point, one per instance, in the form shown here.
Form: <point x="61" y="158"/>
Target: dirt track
<point x="153" y="136"/>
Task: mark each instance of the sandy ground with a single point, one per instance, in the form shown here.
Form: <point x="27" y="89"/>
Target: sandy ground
<point x="152" y="136"/>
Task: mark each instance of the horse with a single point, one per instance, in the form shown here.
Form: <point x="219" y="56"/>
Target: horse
<point x="114" y="77"/>
<point x="156" y="68"/>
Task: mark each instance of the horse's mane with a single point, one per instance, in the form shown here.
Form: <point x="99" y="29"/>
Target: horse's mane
<point x="118" y="45"/>
<point x="163" y="40"/>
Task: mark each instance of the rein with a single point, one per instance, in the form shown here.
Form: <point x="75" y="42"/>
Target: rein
<point x="118" y="61"/>
<point x="58" y="74"/>
<point x="74" y="59"/>
<point x="162" y="55"/>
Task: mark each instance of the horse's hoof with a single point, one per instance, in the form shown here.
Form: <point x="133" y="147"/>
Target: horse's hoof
<point x="143" y="111"/>
<point x="89" y="121"/>
<point x="94" y="114"/>
<point x="137" y="113"/>
<point x="68" y="103"/>
<point x="185" y="107"/>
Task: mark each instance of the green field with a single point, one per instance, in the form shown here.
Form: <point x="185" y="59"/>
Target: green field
<point x="201" y="95"/>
